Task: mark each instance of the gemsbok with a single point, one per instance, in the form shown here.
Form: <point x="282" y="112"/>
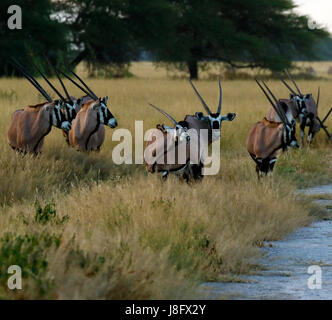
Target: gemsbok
<point x="30" y="125"/>
<point x="211" y="123"/>
<point x="303" y="108"/>
<point x="88" y="131"/>
<point x="166" y="149"/>
<point x="267" y="137"/>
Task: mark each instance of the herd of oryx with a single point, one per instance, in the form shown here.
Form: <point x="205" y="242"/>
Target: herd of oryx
<point x="82" y="121"/>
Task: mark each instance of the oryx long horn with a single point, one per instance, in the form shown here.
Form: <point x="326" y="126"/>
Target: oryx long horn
<point x="60" y="80"/>
<point x="49" y="83"/>
<point x="33" y="81"/>
<point x="318" y="96"/>
<point x="282" y="112"/>
<point x="268" y="97"/>
<point x="290" y="78"/>
<point x="77" y="85"/>
<point x="287" y="86"/>
<point x="220" y="97"/>
<point x="327" y="115"/>
<point x="164" y="113"/>
<point x="200" y="98"/>
<point x="85" y="85"/>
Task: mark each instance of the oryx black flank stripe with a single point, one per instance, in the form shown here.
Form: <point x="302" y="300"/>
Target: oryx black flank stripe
<point x="94" y="131"/>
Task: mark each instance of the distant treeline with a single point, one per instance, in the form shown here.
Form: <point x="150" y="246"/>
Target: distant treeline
<point x="109" y="34"/>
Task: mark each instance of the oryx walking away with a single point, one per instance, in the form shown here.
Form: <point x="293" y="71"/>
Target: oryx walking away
<point x="266" y="137"/>
<point x="30" y="125"/>
<point x="88" y="131"/>
<point x="166" y="150"/>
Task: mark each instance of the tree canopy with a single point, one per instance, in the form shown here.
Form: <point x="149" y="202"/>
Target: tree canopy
<point x="244" y="34"/>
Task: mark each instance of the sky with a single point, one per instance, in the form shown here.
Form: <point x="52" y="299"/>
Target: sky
<point x="320" y="11"/>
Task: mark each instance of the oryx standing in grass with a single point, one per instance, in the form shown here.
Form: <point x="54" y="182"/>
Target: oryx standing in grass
<point x="266" y="137"/>
<point x="167" y="149"/>
<point x="211" y="123"/>
<point x="30" y="125"/>
<point x="88" y="131"/>
<point x="303" y="108"/>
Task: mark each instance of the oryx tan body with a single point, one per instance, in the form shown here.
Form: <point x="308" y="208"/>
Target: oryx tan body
<point x="158" y="147"/>
<point x="265" y="139"/>
<point x="87" y="133"/>
<point x="29" y="126"/>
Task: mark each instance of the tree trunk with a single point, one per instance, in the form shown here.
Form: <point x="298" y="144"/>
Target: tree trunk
<point x="193" y="69"/>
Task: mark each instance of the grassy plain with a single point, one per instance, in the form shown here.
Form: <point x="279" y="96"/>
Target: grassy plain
<point x="82" y="227"/>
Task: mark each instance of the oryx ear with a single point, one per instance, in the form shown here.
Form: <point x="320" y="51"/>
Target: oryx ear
<point x="230" y="116"/>
<point x="199" y="115"/>
<point x="292" y="96"/>
<point x="308" y="96"/>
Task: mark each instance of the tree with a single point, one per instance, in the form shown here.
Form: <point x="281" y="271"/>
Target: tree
<point x="244" y="34"/>
<point x="40" y="35"/>
<point x="100" y="32"/>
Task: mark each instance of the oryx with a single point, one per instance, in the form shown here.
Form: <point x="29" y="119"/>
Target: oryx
<point x="30" y="125"/>
<point x="301" y="107"/>
<point x="211" y="123"/>
<point x="266" y="137"/>
<point x="88" y="132"/>
<point x="166" y="149"/>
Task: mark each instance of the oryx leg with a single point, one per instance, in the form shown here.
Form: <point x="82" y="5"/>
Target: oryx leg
<point x="271" y="166"/>
<point x="262" y="167"/>
<point x="197" y="171"/>
<point x="165" y="175"/>
<point x="302" y="127"/>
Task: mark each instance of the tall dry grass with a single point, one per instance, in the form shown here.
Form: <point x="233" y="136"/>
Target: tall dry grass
<point x="82" y="227"/>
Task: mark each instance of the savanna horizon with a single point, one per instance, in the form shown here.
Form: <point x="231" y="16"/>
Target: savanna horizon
<point x="81" y="226"/>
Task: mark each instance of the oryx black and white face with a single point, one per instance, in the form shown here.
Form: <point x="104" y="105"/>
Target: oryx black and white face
<point x="301" y="103"/>
<point x="181" y="134"/>
<point x="58" y="117"/>
<point x="69" y="109"/>
<point x="105" y="115"/>
<point x="289" y="135"/>
<point x="215" y="119"/>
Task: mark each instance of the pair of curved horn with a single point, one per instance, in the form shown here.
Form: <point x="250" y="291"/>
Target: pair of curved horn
<point x="288" y="86"/>
<point x="164" y="113"/>
<point x="204" y="103"/>
<point x="277" y="107"/>
<point x="31" y="79"/>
